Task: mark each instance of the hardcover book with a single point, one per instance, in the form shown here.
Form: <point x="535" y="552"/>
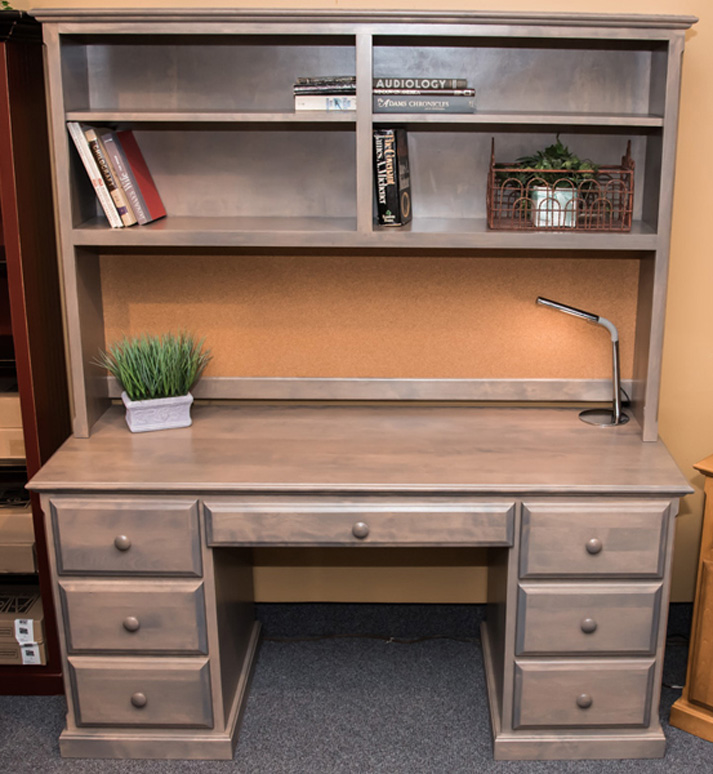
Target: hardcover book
<point x="141" y="175"/>
<point x="426" y="84"/>
<point x="121" y="166"/>
<point x="325" y="102"/>
<point x="109" y="176"/>
<point x="423" y="104"/>
<point x="391" y="177"/>
<point x="95" y="176"/>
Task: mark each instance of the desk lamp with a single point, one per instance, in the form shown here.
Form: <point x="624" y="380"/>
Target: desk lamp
<point x="600" y="417"/>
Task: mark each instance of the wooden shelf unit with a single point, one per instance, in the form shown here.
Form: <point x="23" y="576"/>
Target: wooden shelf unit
<point x="209" y="98"/>
<point x="35" y="314"/>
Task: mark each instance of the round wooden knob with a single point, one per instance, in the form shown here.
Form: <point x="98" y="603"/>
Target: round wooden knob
<point x="584" y="701"/>
<point x="122" y="543"/>
<point x="131" y="623"/>
<point x="588" y="625"/>
<point x="594" y="546"/>
<point x="139" y="700"/>
<point x="360" y="530"/>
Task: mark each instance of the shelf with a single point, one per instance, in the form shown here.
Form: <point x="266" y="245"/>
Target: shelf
<point x="210" y="117"/>
<point x="342" y="232"/>
<point x="513" y="118"/>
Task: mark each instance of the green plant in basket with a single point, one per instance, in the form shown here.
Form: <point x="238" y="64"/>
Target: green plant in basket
<point x="151" y="367"/>
<point x="557" y="163"/>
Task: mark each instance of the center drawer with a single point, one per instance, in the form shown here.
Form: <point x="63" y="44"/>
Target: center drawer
<point x="125" y="616"/>
<point x="387" y="524"/>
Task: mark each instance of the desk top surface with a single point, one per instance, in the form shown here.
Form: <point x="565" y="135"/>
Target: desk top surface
<point x="371" y="448"/>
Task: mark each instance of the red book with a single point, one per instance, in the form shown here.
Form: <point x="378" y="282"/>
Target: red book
<point x="141" y="175"/>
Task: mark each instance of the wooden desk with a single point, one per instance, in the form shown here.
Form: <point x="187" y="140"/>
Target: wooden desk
<point x="152" y="535"/>
<point x="693" y="712"/>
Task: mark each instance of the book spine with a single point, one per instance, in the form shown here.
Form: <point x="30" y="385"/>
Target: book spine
<point x="325" y="88"/>
<point x="414" y="104"/>
<point x="114" y="188"/>
<point x="142" y="177"/>
<point x="90" y="165"/>
<point x="325" y="102"/>
<point x="427" y="84"/>
<point x="326" y="80"/>
<point x="428" y="92"/>
<point x="123" y="173"/>
<point x="391" y="177"/>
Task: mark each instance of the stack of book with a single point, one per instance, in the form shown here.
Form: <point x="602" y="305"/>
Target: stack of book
<point x="329" y="92"/>
<point x="119" y="175"/>
<point x="423" y="95"/>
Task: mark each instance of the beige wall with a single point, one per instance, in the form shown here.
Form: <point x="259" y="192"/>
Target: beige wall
<point x="686" y="415"/>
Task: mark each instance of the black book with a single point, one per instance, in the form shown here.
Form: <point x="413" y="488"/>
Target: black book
<point x="391" y="177"/>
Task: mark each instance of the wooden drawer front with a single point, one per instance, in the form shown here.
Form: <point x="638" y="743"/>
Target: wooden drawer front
<point x="141" y="692"/>
<point x="126" y="616"/>
<point x="587" y="618"/>
<point x="620" y="538"/>
<point x="582" y="693"/>
<point x="121" y="536"/>
<point x="484" y="524"/>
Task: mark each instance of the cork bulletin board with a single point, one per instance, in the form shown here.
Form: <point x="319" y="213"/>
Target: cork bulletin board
<point x="423" y="315"/>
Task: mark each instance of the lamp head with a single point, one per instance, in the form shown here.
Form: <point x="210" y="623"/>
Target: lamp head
<point x="588" y="316"/>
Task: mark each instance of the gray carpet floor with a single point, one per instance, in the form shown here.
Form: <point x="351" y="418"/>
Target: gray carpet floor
<point x="356" y="704"/>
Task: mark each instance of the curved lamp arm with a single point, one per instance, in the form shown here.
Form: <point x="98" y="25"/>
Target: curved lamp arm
<point x="594" y="416"/>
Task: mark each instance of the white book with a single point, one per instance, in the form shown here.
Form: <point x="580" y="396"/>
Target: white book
<point x="102" y="192"/>
<point x="325" y="102"/>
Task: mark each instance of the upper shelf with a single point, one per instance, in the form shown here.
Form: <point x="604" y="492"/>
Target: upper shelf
<point x="486" y="118"/>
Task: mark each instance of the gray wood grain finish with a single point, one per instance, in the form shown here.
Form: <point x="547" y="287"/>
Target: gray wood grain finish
<point x="304" y="388"/>
<point x="393" y="523"/>
<point x="126" y="536"/>
<point x="582" y="693"/>
<point x="367" y="448"/>
<point x="309" y="18"/>
<point x="142" y="692"/>
<point x="618" y="538"/>
<point x="127" y="616"/>
<point x="586" y="618"/>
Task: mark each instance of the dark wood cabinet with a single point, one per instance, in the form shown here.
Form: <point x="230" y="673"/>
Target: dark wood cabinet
<point x="31" y="328"/>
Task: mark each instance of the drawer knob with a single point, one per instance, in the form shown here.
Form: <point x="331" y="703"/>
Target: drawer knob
<point x="584" y="701"/>
<point x="594" y="546"/>
<point x="122" y="543"/>
<point x="360" y="530"/>
<point x="589" y="625"/>
<point x="131" y="623"/>
<point x="139" y="700"/>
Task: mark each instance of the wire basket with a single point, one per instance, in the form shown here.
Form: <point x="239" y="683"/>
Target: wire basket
<point x="521" y="199"/>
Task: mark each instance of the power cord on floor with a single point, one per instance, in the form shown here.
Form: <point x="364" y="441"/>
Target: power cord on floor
<point x="383" y="637"/>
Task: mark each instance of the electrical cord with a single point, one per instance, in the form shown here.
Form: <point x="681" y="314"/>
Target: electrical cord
<point x="383" y="637"/>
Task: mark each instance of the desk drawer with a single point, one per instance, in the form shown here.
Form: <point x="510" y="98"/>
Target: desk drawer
<point x="388" y="524"/>
<point x="126" y="536"/>
<point x="582" y="693"/>
<point x="127" y="616"/>
<point x="576" y="538"/>
<point x="587" y="618"/>
<point x="141" y="692"/>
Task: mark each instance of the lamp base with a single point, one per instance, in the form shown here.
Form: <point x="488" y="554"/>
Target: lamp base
<point x="602" y="417"/>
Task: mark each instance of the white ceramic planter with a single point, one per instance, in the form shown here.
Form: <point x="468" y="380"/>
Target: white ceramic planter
<point x="553" y="208"/>
<point x="157" y="414"/>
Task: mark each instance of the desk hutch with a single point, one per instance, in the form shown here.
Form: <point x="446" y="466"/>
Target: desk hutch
<point x="152" y="535"/>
